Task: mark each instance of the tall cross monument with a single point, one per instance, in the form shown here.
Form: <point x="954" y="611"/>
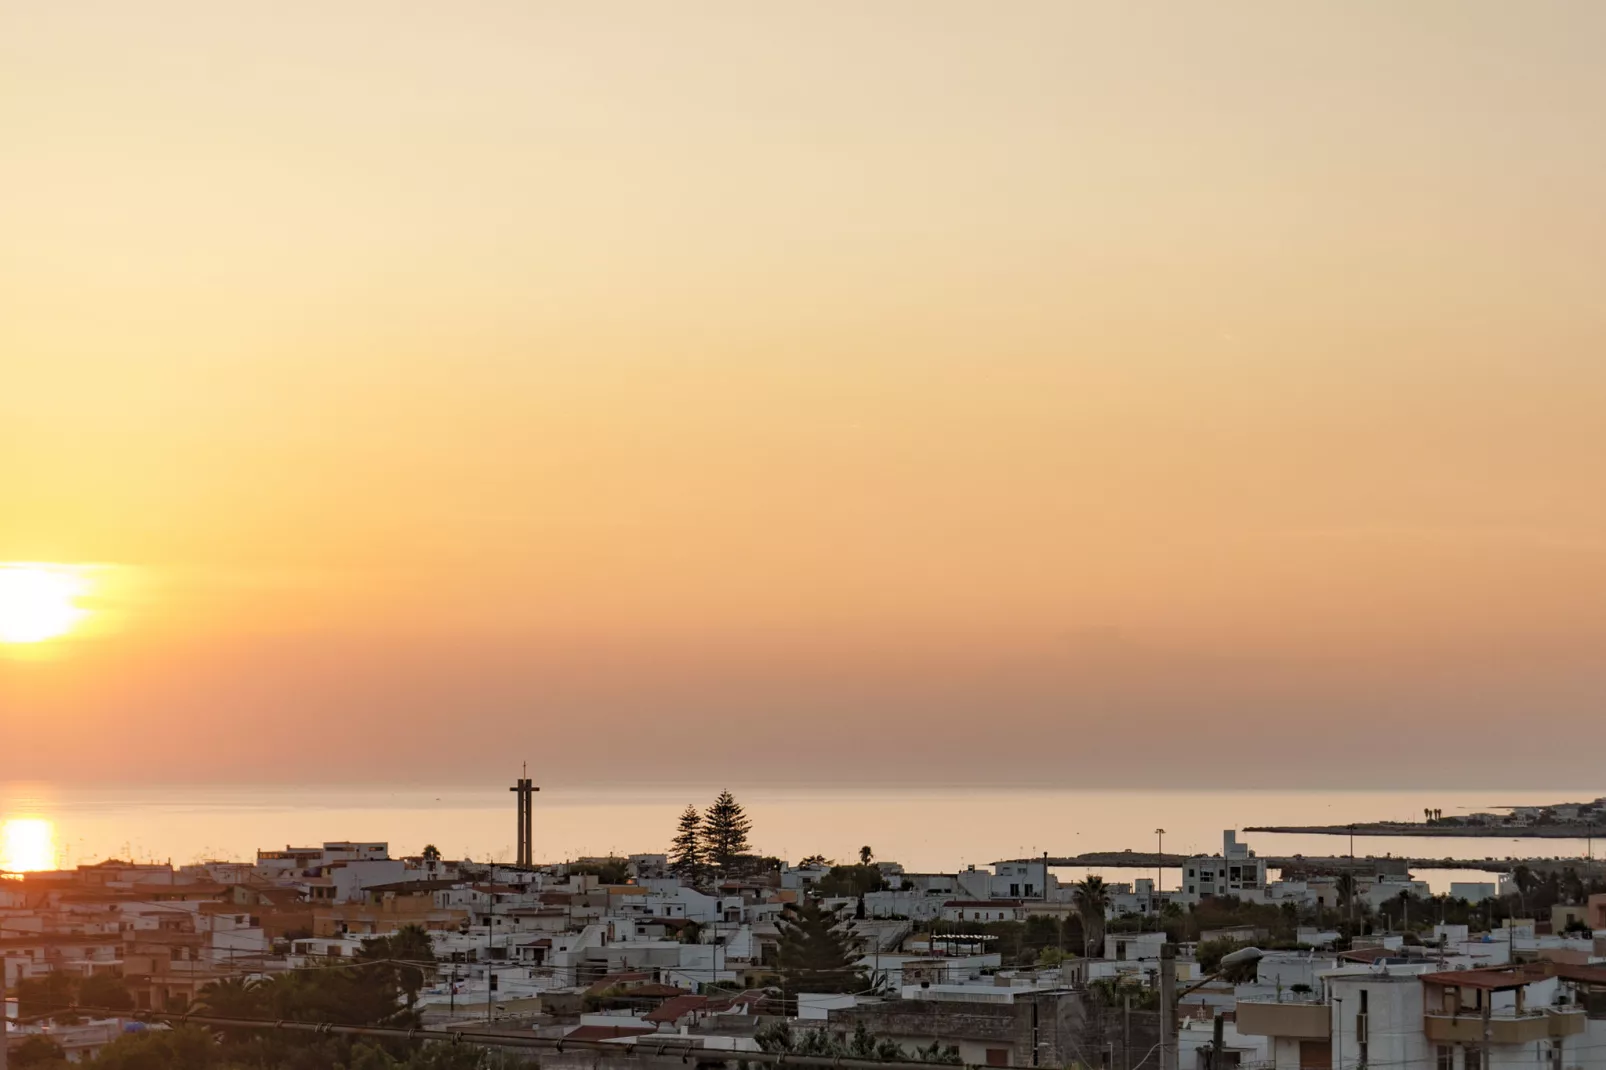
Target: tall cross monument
<point x="525" y="789"/>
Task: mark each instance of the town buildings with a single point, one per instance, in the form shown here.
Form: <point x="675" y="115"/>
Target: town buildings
<point x="558" y="950"/>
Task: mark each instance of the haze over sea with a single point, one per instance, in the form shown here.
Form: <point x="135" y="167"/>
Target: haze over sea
<point x="936" y="827"/>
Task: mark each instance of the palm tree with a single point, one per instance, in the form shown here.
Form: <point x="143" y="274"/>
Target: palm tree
<point x="1092" y="902"/>
<point x="1573" y="884"/>
<point x="231" y="997"/>
<point x="1526" y="881"/>
<point x="407" y="954"/>
<point x="866" y="856"/>
<point x="1345" y="887"/>
<point x="282" y="994"/>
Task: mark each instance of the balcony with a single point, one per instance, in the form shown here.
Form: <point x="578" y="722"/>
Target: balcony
<point x="1304" y="1021"/>
<point x="1504" y="1028"/>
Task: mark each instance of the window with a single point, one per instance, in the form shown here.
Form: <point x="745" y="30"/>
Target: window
<point x="1471" y="1058"/>
<point x="1029" y="891"/>
<point x="1014" y="891"/>
<point x="1446" y="1058"/>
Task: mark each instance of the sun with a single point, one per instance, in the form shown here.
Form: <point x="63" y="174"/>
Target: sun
<point x="27" y="843"/>
<point x="39" y="602"/>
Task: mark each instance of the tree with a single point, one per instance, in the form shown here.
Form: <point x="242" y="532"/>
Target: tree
<point x="1092" y="904"/>
<point x="1345" y="887"/>
<point x="431" y="853"/>
<point x="1041" y="931"/>
<point x="686" y="855"/>
<point x="607" y="871"/>
<point x="38" y="1052"/>
<point x="817" y="952"/>
<point x="866" y="856"/>
<point x="180" y="1048"/>
<point x="102" y="990"/>
<point x="401" y="958"/>
<point x="724" y="831"/>
<point x="815" y="860"/>
<point x="1210" y="953"/>
<point x="851" y="880"/>
<point x="232" y="997"/>
<point x="55" y="991"/>
<point x="937" y="1052"/>
<point x="1526" y="881"/>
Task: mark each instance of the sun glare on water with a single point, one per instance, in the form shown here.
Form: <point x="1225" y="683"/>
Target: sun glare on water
<point x="39" y="602"/>
<point x="27" y="844"/>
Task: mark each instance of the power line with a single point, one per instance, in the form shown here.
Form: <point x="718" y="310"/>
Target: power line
<point x="669" y="1044"/>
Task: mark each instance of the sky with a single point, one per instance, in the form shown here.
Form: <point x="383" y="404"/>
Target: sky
<point x="1045" y="393"/>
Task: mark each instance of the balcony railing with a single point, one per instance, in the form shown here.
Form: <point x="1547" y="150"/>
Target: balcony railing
<point x="1306" y="1021"/>
<point x="1505" y="1027"/>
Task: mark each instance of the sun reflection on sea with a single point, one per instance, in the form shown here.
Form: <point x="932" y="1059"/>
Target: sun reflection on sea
<point x="27" y="844"/>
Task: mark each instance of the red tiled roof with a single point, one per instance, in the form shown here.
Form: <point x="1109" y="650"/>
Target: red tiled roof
<point x="1493" y="978"/>
<point x="1589" y="975"/>
<point x="612" y="979"/>
<point x="673" y="1010"/>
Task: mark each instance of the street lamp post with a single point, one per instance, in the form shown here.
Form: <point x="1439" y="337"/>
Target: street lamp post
<point x="1352" y="887"/>
<point x="1159" y="871"/>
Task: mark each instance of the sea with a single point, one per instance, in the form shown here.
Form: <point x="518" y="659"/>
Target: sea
<point x="927" y="829"/>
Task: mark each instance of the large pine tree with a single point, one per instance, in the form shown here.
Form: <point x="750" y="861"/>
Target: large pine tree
<point x="725" y="829"/>
<point x="686" y="856"/>
<point x="817" y="952"/>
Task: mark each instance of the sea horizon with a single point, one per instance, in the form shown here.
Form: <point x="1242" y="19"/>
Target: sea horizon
<point x="928" y="828"/>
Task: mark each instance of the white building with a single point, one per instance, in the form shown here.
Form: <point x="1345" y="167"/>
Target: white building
<point x="1418" y="1016"/>
<point x="1473" y="891"/>
<point x="1024" y="880"/>
<point x="1234" y="872"/>
<point x="798" y="878"/>
<point x="1133" y="947"/>
<point x="1388" y="887"/>
<point x="983" y="910"/>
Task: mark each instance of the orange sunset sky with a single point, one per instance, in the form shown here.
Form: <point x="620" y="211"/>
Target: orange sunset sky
<point x="1051" y="392"/>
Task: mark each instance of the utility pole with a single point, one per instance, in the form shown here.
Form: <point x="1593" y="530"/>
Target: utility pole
<point x="1488" y="1028"/>
<point x="1126" y="1030"/>
<point x="1168" y="1007"/>
<point x="1338" y="1012"/>
<point x="490" y="937"/>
